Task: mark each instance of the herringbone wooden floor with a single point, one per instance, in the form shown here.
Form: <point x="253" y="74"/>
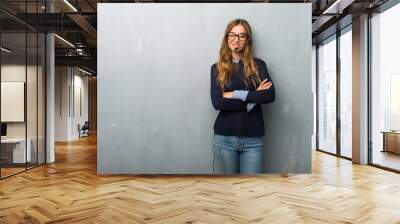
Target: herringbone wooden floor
<point x="70" y="191"/>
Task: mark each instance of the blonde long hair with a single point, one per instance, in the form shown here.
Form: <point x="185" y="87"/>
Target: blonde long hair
<point x="224" y="64"/>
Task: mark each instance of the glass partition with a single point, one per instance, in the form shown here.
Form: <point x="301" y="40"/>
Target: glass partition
<point x="385" y="89"/>
<point x="346" y="93"/>
<point x="327" y="96"/>
<point x="14" y="153"/>
<point x="32" y="95"/>
<point x="22" y="77"/>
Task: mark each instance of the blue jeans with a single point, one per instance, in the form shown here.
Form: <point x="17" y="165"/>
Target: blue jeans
<point x="236" y="154"/>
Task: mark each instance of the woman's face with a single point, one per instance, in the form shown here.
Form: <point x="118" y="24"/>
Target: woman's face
<point x="237" y="38"/>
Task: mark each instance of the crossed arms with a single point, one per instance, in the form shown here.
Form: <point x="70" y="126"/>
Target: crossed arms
<point x="242" y="99"/>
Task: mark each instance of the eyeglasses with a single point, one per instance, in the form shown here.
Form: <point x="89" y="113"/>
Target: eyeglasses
<point x="241" y="36"/>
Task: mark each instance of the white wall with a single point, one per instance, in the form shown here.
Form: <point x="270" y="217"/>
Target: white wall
<point x="12" y="73"/>
<point x="69" y="82"/>
<point x="61" y="103"/>
<point x="79" y="117"/>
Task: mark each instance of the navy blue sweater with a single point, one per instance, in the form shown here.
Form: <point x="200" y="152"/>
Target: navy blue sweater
<point x="233" y="118"/>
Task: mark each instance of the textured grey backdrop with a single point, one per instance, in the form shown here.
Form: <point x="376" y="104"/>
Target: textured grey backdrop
<point x="154" y="109"/>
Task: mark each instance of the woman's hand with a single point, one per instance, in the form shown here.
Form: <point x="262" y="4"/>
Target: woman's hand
<point x="264" y="85"/>
<point x="228" y="94"/>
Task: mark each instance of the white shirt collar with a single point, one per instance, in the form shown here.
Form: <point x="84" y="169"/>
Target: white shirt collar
<point x="235" y="60"/>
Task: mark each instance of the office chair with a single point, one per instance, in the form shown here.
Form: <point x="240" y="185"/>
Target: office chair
<point x="84" y="130"/>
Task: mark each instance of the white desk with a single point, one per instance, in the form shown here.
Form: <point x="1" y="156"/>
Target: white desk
<point x="19" y="149"/>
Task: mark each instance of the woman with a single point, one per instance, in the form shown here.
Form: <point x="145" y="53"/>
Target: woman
<point x="240" y="83"/>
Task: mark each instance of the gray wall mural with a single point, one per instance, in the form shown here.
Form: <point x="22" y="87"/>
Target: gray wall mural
<point x="154" y="109"/>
